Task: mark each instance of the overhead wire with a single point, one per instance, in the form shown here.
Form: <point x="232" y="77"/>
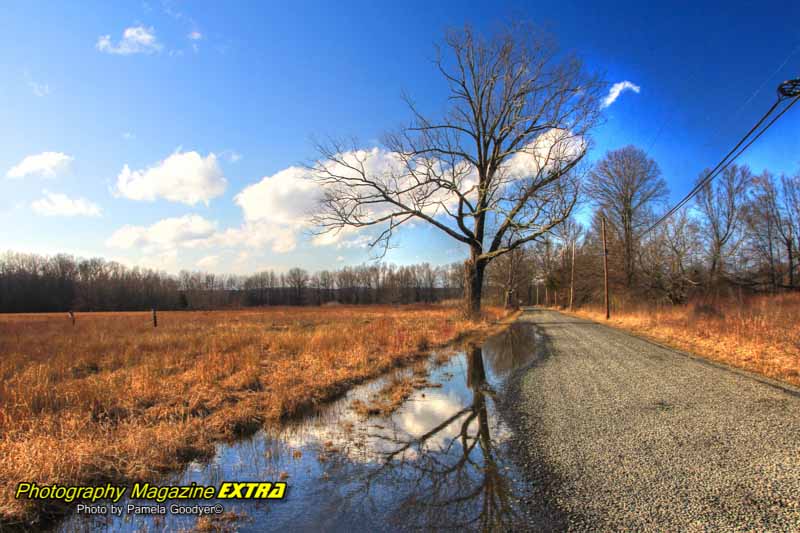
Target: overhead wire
<point x="731" y="156"/>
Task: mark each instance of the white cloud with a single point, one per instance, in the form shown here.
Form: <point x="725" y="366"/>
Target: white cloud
<point x="277" y="209"/>
<point x="616" y="90"/>
<point x="208" y="262"/>
<point x="188" y="231"/>
<point x="259" y="234"/>
<point x="184" y="177"/>
<point x="57" y="204"/>
<point x="135" y="40"/>
<point x="283" y="198"/>
<point x="552" y="149"/>
<point x="45" y="164"/>
<point x="195" y="36"/>
<point x="39" y="89"/>
<point x="128" y="136"/>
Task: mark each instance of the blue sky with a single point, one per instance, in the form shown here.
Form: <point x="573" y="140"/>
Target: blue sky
<point x="226" y="96"/>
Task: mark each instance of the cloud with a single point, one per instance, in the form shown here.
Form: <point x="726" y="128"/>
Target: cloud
<point x="259" y="234"/>
<point x="184" y="177"/>
<point x="195" y="36"/>
<point x="128" y="136"/>
<point x="208" y="262"/>
<point x="39" y="89"/>
<point x="188" y="231"/>
<point x="45" y="164"/>
<point x="616" y="90"/>
<point x="57" y="204"/>
<point x="283" y="198"/>
<point x="277" y="209"/>
<point x="135" y="40"/>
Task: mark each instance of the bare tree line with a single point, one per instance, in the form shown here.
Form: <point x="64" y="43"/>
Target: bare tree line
<point x="34" y="283"/>
<point x="740" y="235"/>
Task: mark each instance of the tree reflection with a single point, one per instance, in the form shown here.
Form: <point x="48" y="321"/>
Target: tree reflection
<point x="513" y="349"/>
<point x="447" y="477"/>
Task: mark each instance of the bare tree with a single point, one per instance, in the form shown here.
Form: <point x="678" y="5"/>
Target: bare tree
<point x="503" y="159"/>
<point x="721" y="204"/>
<point x="790" y="190"/>
<point x="625" y="184"/>
<point x="297" y="279"/>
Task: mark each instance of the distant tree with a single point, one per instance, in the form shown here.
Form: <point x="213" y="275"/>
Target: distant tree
<point x="721" y="204"/>
<point x="297" y="279"/>
<point x="625" y="185"/>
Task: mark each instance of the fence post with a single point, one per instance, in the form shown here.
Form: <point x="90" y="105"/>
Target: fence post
<point x="155" y="318"/>
<point x="72" y="317"/>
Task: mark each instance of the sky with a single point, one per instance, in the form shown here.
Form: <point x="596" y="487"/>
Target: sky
<point x="172" y="135"/>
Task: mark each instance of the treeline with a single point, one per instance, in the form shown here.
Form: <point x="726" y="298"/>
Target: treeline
<point x="34" y="283"/>
<point x="740" y="234"/>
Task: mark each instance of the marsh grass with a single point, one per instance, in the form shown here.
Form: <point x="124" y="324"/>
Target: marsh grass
<point x="113" y="399"/>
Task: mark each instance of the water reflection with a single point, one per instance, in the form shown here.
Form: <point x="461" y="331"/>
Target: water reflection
<point x="446" y="475"/>
<point x="440" y="461"/>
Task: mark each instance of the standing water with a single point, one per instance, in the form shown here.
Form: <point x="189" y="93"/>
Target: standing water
<point x="441" y="460"/>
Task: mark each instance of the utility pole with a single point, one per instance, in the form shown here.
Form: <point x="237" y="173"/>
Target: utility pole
<point x="605" y="266"/>
<point x="537" y="293"/>
<point x="572" y="278"/>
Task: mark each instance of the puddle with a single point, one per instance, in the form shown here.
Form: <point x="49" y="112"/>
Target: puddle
<point x="440" y="461"/>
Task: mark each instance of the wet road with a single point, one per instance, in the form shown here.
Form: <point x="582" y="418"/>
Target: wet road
<point x="616" y="433"/>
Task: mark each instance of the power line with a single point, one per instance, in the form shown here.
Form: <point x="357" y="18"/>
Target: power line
<point x="787" y="90"/>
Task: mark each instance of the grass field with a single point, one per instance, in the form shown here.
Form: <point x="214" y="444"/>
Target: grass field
<point x="760" y="334"/>
<point x="113" y="399"/>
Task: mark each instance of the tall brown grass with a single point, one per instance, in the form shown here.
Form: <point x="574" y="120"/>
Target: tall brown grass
<point x="114" y="399"/>
<point x="760" y="334"/>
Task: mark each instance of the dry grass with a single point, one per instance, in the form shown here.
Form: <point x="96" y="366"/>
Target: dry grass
<point x="394" y="392"/>
<point x="761" y="334"/>
<point x="115" y="400"/>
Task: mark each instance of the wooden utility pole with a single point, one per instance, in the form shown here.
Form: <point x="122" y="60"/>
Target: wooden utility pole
<point x="605" y="267"/>
<point x="572" y="278"/>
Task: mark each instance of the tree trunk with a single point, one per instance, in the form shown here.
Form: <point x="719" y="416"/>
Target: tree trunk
<point x="473" y="285"/>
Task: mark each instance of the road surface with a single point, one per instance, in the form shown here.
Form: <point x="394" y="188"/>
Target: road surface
<point x="617" y="433"/>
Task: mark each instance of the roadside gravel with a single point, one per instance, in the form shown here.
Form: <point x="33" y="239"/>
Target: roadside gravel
<point x="620" y="434"/>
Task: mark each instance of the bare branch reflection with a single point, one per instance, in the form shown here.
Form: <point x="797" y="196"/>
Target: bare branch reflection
<point x="447" y="476"/>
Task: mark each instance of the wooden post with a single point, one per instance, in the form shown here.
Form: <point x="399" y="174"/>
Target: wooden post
<point x="155" y="318"/>
<point x="537" y="293"/>
<point x="605" y="267"/>
<point x="572" y="278"/>
<point x="72" y="317"/>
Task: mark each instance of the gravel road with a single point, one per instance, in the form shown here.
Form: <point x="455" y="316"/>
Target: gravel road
<point x="620" y="434"/>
